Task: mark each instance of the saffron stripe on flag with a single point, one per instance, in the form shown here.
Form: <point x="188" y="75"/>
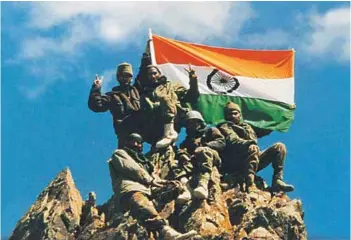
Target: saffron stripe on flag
<point x="267" y="64"/>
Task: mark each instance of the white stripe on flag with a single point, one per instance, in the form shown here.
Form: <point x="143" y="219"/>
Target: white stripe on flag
<point x="281" y="90"/>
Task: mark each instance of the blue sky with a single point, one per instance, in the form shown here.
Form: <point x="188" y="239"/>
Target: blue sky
<point x="51" y="52"/>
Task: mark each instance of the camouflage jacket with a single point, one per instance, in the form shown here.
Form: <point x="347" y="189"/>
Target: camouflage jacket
<point x="120" y="102"/>
<point x="208" y="137"/>
<point x="174" y="92"/>
<point x="241" y="134"/>
<point x="130" y="172"/>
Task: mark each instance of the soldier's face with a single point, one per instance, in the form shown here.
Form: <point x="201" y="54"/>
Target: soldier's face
<point x="153" y="74"/>
<point x="136" y="146"/>
<point x="234" y="116"/>
<point x="193" y="125"/>
<point x="124" y="79"/>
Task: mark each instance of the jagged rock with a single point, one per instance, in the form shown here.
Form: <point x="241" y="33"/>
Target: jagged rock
<point x="210" y="218"/>
<point x="55" y="214"/>
<point x="232" y="214"/>
<point x="258" y="215"/>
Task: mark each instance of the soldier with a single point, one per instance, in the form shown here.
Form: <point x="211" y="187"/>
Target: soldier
<point x="123" y="102"/>
<point x="132" y="181"/>
<point x="198" y="153"/>
<point x="243" y="154"/>
<point x="168" y="102"/>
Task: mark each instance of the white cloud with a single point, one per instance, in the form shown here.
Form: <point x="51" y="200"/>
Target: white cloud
<point x="113" y="22"/>
<point x="323" y="36"/>
<point x="81" y="24"/>
<point x="117" y="23"/>
<point x="330" y="35"/>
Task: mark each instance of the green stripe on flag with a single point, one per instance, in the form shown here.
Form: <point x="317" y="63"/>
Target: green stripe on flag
<point x="260" y="113"/>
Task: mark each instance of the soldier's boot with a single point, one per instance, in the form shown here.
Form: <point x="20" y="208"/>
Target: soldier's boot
<point x="186" y="195"/>
<point x="169" y="233"/>
<point x="201" y="191"/>
<point x="250" y="183"/>
<point x="278" y="164"/>
<point x="278" y="184"/>
<point x="170" y="136"/>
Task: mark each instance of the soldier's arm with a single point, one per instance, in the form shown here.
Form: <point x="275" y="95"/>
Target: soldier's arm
<point x="231" y="137"/>
<point x="130" y="169"/>
<point x="216" y="140"/>
<point x="192" y="95"/>
<point x="98" y="102"/>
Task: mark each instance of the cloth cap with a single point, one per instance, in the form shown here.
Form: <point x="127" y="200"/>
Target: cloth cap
<point x="125" y="68"/>
<point x="231" y="107"/>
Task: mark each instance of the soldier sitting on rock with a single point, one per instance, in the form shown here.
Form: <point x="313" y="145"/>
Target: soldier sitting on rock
<point x="198" y="154"/>
<point x="123" y="102"/>
<point x="243" y="155"/>
<point x="165" y="103"/>
<point x="132" y="180"/>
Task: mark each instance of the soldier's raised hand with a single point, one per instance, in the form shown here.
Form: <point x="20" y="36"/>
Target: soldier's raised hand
<point x="98" y="81"/>
<point x="191" y="72"/>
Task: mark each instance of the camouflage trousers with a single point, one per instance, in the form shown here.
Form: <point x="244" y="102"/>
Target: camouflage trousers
<point x="167" y="109"/>
<point x="253" y="160"/>
<point x="143" y="210"/>
<point x="205" y="159"/>
<point x="202" y="161"/>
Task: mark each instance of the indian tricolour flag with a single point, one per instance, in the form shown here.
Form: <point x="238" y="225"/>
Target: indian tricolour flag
<point x="260" y="81"/>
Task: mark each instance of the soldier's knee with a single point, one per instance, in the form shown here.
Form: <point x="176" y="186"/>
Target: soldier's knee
<point x="280" y="147"/>
<point x="254" y="149"/>
<point x="200" y="150"/>
<point x="203" y="151"/>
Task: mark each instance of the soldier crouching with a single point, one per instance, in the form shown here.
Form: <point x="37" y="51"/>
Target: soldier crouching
<point x="131" y="180"/>
<point x="198" y="154"/>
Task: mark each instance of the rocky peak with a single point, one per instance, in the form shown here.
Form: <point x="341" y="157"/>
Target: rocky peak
<point x="60" y="213"/>
<point x="55" y="214"/>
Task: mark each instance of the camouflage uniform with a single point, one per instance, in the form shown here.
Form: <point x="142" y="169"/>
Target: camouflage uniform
<point x="124" y="105"/>
<point x="131" y="181"/>
<point x="242" y="154"/>
<point x="198" y="153"/>
<point x="131" y="178"/>
<point x="166" y="102"/>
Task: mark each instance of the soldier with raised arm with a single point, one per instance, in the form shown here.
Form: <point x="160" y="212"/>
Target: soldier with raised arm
<point x="164" y="103"/>
<point x="131" y="176"/>
<point x="243" y="154"/>
<point x="123" y="102"/>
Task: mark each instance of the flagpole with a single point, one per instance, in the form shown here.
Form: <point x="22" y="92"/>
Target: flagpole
<point x="151" y="47"/>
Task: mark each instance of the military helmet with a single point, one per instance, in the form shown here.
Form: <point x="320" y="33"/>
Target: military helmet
<point x="125" y="68"/>
<point x="135" y="137"/>
<point x="194" y="115"/>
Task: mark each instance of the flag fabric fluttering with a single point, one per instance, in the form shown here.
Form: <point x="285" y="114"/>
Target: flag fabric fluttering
<point x="260" y="81"/>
